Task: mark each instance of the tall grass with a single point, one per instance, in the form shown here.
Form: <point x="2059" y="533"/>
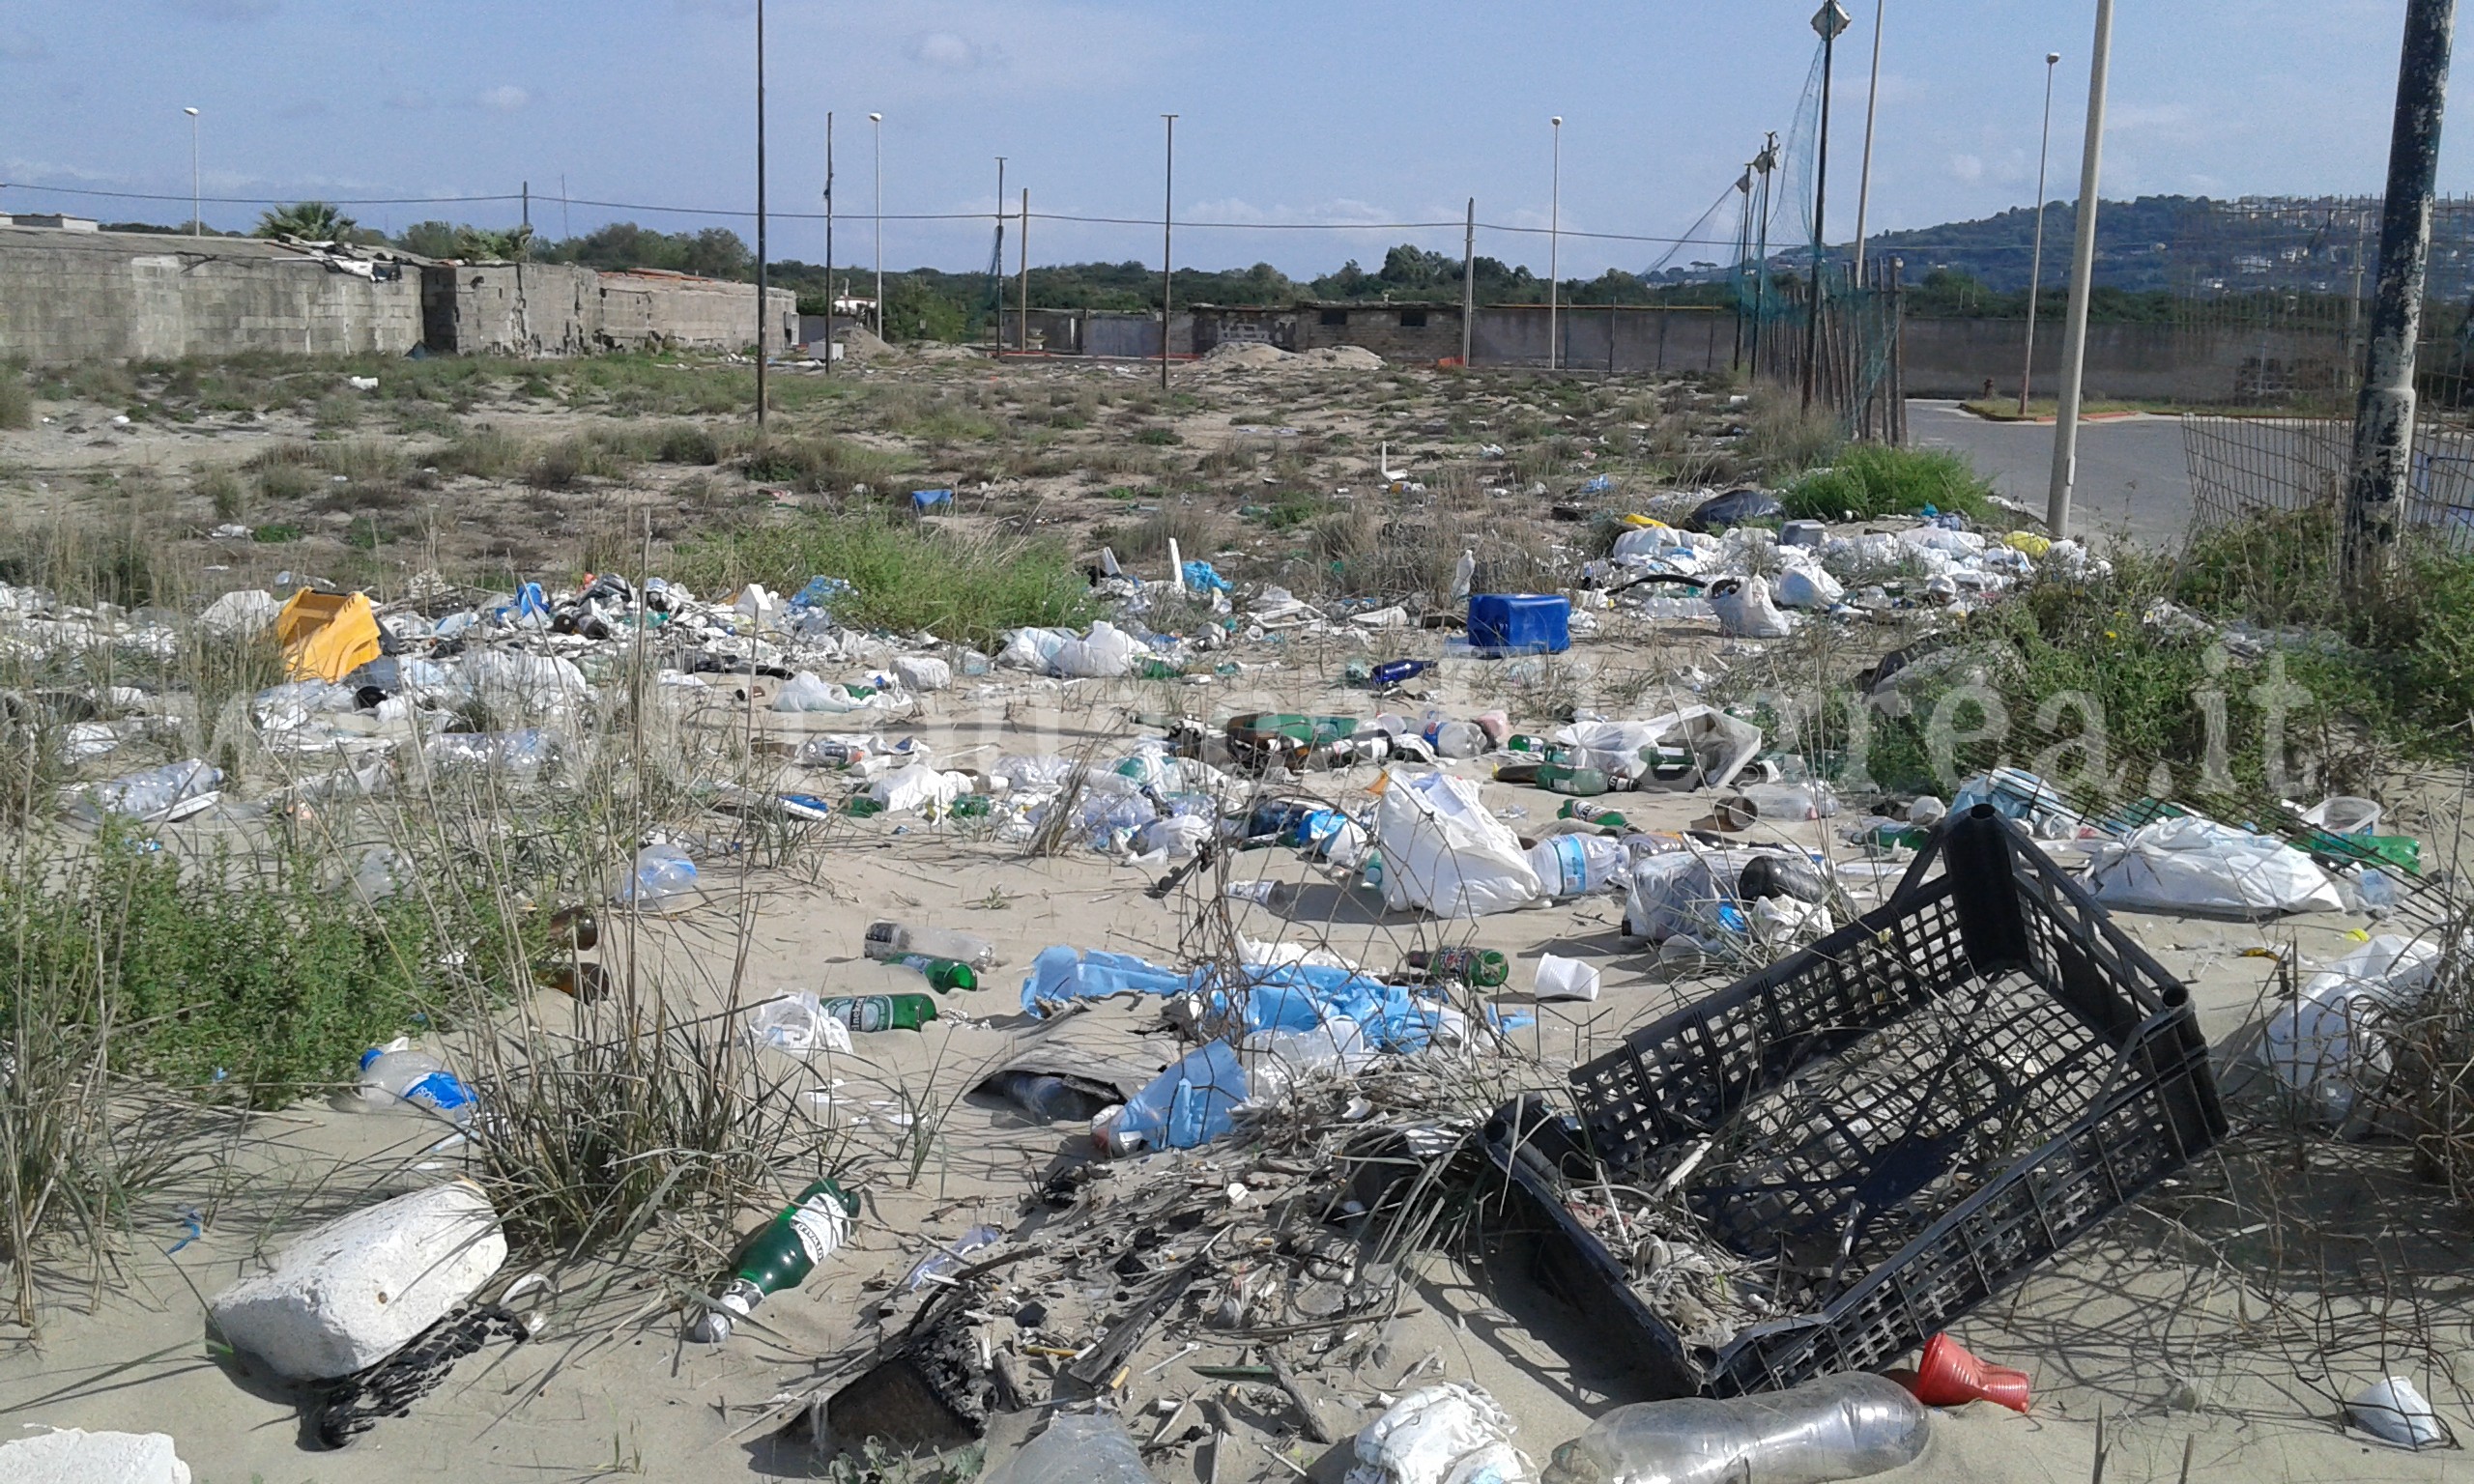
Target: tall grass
<point x="904" y="578"/>
<point x="1872" y="480"/>
<point x="17" y="399"/>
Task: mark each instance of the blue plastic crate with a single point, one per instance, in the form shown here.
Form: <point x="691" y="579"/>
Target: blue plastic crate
<point x="1519" y="623"/>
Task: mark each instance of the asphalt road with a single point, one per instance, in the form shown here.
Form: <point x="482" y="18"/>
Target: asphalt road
<point x="2132" y="478"/>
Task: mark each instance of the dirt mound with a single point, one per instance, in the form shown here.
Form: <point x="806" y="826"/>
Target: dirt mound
<point x="1344" y="357"/>
<point x="1236" y="354"/>
<point x="860" y="343"/>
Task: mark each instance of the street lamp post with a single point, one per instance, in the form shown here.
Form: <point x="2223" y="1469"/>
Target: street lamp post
<point x="2036" y="259"/>
<point x="830" y="297"/>
<point x="1872" y="106"/>
<point x="2082" y="278"/>
<point x="1554" y="249"/>
<point x="196" y="227"/>
<point x="877" y="122"/>
<point x="1829" y="20"/>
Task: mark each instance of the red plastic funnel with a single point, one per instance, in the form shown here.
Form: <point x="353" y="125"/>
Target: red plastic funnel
<point x="1949" y="1375"/>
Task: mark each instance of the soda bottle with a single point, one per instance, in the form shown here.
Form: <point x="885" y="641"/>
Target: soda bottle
<point x="1590" y="814"/>
<point x="892" y="940"/>
<point x="881" y="1011"/>
<point x="1574" y="864"/>
<point x="1523" y="742"/>
<point x="780" y="1254"/>
<point x="1393" y="672"/>
<point x="1483" y="967"/>
<point x="395" y="1075"/>
<point x="944" y="975"/>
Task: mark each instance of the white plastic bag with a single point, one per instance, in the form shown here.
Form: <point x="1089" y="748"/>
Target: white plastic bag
<point x="1448" y="1434"/>
<point x="922" y="673"/>
<point x="2394" y="1411"/>
<point x="1720" y="746"/>
<point x="1745" y="609"/>
<point x="1564" y="979"/>
<point x="2196" y="865"/>
<point x="1106" y="654"/>
<point x="1444" y="852"/>
<point x="2322" y="1045"/>
<point x="1804" y="584"/>
<point x="918" y="786"/>
<point x="796" y="1022"/>
<point x="804" y="692"/>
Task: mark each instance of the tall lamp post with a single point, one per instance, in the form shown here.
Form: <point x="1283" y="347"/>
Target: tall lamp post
<point x="876" y="121"/>
<point x="197" y="228"/>
<point x="2036" y="259"/>
<point x="763" y="310"/>
<point x="1829" y="20"/>
<point x="1554" y="249"/>
<point x="830" y="297"/>
<point x="1872" y="106"/>
<point x="2083" y="279"/>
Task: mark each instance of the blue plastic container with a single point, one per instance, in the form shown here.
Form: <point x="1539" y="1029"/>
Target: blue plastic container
<point x="1519" y="623"/>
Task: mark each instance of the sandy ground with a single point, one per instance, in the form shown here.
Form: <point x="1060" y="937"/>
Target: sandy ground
<point x="2131" y="1325"/>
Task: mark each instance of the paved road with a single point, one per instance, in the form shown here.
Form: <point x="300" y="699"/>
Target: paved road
<point x="2132" y="478"/>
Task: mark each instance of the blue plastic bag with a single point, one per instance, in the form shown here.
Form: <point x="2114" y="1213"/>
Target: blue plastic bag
<point x="1201" y="577"/>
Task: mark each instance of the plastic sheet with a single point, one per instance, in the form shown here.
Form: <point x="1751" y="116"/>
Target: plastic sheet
<point x="2197" y="866"/>
<point x="1444" y="852"/>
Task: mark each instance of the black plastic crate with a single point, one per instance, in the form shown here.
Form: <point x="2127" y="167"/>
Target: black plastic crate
<point x="1895" y="1122"/>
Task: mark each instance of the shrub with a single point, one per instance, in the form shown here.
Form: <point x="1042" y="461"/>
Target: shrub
<point x="1871" y="481"/>
<point x="904" y="578"/>
<point x="16" y="401"/>
<point x="822" y="465"/>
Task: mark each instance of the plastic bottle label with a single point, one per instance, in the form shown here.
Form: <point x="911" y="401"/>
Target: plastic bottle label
<point x="1571" y="867"/>
<point x="440" y="1092"/>
<point x="866" y="1013"/>
<point x="820" y="1225"/>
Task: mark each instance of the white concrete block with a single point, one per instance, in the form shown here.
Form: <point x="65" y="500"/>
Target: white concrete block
<point x="72" y="1456"/>
<point x="356" y="1290"/>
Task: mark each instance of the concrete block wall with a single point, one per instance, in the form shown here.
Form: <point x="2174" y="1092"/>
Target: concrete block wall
<point x="666" y="311"/>
<point x="2204" y="365"/>
<point x="72" y="297"/>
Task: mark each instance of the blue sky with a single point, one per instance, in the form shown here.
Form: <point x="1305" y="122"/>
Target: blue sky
<point x="1351" y="111"/>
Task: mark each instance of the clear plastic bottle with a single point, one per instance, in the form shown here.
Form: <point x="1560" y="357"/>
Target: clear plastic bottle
<point x="1576" y="865"/>
<point x="395" y="1075"/>
<point x="1840" y="1427"/>
<point x="897" y="940"/>
<point x="662" y="875"/>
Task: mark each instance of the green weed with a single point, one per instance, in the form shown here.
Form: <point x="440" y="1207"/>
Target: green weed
<point x="1872" y="480"/>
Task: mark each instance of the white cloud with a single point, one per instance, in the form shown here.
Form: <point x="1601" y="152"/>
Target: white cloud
<point x="948" y="52"/>
<point x="1968" y="168"/>
<point x="506" y="97"/>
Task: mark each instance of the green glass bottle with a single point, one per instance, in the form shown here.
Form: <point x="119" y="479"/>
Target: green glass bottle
<point x="780" y="1254"/>
<point x="971" y="805"/>
<point x="1563" y="778"/>
<point x="1483" y="967"/>
<point x="859" y="805"/>
<point x="883" y="1012"/>
<point x="944" y="975"/>
<point x="1590" y="814"/>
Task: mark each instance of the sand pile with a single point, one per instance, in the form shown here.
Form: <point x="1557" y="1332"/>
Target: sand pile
<point x="1256" y="356"/>
<point x="1344" y="357"/>
<point x="1245" y="355"/>
<point x="860" y="343"/>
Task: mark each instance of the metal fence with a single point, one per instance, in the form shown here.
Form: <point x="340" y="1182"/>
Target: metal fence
<point x="2242" y="467"/>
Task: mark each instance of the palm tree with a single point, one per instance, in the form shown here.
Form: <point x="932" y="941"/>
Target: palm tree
<point x="312" y="221"/>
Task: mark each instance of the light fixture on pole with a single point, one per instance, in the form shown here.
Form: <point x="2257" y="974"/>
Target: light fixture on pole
<point x="2036" y="259"/>
<point x="197" y="228"/>
<point x="1167" y="242"/>
<point x="1554" y="248"/>
<point x="1828" y="21"/>
<point x="1872" y="102"/>
<point x="877" y="122"/>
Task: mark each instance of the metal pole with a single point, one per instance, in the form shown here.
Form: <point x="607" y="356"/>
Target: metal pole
<point x="877" y="119"/>
<point x="2083" y="275"/>
<point x="1554" y="250"/>
<point x="1768" y="161"/>
<point x="197" y="227"/>
<point x="996" y="266"/>
<point x="2036" y="262"/>
<point x="1743" y="250"/>
<point x="528" y="205"/>
<point x="1821" y="211"/>
<point x="831" y="298"/>
<point x="1864" y="176"/>
<point x="996" y="263"/>
<point x="764" y="341"/>
<point x="1024" y="329"/>
<point x="1168" y="242"/>
<point x="2384" y="416"/>
<point x="1468" y="284"/>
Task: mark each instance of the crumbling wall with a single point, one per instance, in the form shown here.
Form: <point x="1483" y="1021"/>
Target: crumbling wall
<point x="518" y="310"/>
<point x="644" y="311"/>
<point x="66" y="297"/>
